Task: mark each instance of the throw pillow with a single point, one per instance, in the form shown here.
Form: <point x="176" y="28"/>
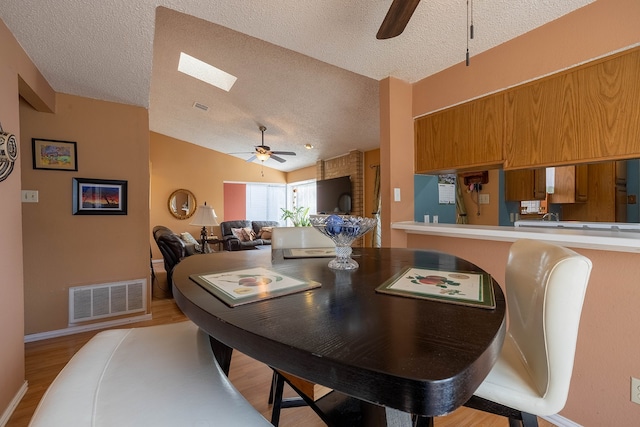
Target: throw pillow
<point x="190" y="240"/>
<point x="239" y="234"/>
<point x="249" y="234"/>
<point x="265" y="233"/>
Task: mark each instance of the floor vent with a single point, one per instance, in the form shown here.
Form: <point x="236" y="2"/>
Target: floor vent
<point x="110" y="299"/>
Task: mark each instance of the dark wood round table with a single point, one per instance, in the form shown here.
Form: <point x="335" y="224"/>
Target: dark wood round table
<point x="414" y="355"/>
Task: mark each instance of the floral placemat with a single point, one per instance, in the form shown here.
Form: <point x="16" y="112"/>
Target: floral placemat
<point x="458" y="287"/>
<point x="239" y="287"/>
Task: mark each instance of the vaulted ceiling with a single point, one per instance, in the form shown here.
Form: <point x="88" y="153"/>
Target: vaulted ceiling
<point x="307" y="70"/>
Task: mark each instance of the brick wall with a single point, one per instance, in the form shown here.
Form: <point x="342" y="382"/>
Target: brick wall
<point x="352" y="165"/>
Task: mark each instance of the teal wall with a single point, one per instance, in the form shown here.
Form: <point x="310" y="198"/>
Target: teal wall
<point x="426" y="200"/>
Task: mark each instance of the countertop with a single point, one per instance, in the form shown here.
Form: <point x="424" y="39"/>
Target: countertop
<point x="587" y="238"/>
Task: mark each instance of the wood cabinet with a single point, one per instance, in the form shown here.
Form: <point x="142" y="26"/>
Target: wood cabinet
<point x="610" y="108"/>
<point x="463" y="137"/>
<point x="591" y="113"/>
<point x="571" y="184"/>
<point x="541" y="123"/>
<point x="607" y="195"/>
<point x="525" y="184"/>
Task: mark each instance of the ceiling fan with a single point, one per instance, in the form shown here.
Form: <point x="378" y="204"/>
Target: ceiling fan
<point x="397" y="18"/>
<point x="263" y="152"/>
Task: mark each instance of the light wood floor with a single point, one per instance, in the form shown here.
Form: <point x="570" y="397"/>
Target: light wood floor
<point x="44" y="360"/>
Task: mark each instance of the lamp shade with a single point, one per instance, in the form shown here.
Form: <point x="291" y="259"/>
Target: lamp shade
<point x="205" y="216"/>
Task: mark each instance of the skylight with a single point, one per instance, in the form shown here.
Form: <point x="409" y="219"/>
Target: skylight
<point x="205" y="72"/>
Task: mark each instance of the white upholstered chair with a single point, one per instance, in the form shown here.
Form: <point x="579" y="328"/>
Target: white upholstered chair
<point x="294" y="238"/>
<point x="299" y="238"/>
<point x="545" y="287"/>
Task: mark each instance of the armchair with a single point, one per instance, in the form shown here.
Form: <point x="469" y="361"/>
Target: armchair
<point x="172" y="247"/>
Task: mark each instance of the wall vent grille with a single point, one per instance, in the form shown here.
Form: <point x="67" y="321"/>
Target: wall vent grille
<point x="200" y="106"/>
<point x="106" y="300"/>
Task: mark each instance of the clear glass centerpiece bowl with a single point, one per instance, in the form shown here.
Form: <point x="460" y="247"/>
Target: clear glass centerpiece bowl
<point x="343" y="230"/>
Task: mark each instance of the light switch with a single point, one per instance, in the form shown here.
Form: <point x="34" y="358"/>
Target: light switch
<point x="29" y="196"/>
<point x="396" y="194"/>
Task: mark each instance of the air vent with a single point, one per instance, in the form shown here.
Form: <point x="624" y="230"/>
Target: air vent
<point x="106" y="300"/>
<point x="200" y="106"/>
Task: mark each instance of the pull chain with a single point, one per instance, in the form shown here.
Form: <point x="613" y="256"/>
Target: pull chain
<point x="467" y="27"/>
<point x="469" y="31"/>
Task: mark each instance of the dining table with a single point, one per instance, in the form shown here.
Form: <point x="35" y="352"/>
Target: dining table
<point x="403" y="360"/>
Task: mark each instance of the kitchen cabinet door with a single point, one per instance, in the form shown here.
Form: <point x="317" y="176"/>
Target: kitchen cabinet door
<point x="541" y="123"/>
<point x="525" y="184"/>
<point x="571" y="184"/>
<point x="464" y="137"/>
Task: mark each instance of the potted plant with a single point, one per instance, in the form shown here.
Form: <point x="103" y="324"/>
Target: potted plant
<point x="298" y="216"/>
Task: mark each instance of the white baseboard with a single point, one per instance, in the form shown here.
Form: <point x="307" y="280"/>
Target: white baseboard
<point x="13" y="405"/>
<point x="84" y="328"/>
<point x="560" y="421"/>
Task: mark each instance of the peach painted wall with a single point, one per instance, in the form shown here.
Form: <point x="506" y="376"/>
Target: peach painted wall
<point x="18" y="76"/>
<point x="64" y="250"/>
<point x="178" y="164"/>
<point x="396" y="158"/>
<point x="593" y="31"/>
<point x="607" y="347"/>
<point x="303" y="174"/>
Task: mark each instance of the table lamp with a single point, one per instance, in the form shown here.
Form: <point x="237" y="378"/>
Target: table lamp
<point x="205" y="216"/>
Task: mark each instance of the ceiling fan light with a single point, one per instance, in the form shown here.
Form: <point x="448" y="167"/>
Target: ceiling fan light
<point x="262" y="156"/>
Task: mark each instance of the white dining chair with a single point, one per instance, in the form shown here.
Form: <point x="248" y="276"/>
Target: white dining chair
<point x="299" y="238"/>
<point x="545" y="286"/>
<point x="294" y="238"/>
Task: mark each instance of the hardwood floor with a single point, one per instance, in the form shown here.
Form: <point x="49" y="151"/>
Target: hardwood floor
<point x="44" y="360"/>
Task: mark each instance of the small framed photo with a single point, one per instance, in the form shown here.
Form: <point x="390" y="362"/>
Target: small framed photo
<point x="54" y="155"/>
<point x="99" y="197"/>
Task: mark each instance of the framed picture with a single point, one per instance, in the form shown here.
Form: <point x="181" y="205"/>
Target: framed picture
<point x="99" y="197"/>
<point x="54" y="155"/>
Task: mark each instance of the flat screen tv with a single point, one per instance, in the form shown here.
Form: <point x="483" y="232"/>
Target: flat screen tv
<point x="333" y="195"/>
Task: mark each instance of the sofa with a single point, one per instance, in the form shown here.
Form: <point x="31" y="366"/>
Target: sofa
<point x="236" y="240"/>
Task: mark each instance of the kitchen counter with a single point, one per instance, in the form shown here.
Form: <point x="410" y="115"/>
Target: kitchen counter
<point x="608" y="239"/>
<point x="580" y="225"/>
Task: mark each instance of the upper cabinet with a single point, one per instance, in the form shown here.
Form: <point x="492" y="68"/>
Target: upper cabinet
<point x="587" y="114"/>
<point x="541" y="123"/>
<point x="590" y="113"/>
<point x="462" y="137"/>
<point x="610" y="108"/>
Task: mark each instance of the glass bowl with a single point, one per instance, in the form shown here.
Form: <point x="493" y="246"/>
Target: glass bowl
<point x="343" y="230"/>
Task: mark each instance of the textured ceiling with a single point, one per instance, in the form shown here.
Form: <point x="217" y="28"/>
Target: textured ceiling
<point x="307" y="69"/>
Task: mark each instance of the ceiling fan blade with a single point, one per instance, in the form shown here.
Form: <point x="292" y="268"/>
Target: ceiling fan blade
<point x="397" y="18"/>
<point x="277" y="159"/>
<point x="284" y="153"/>
<point x="251" y="159"/>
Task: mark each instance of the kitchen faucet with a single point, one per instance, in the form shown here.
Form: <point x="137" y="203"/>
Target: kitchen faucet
<point x="550" y="216"/>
